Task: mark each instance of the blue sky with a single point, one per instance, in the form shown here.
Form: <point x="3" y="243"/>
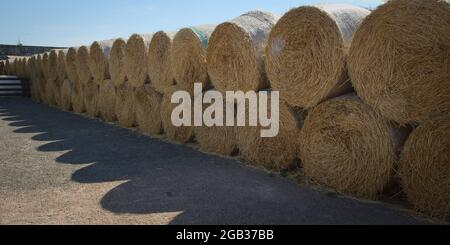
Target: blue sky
<point x="79" y="22"/>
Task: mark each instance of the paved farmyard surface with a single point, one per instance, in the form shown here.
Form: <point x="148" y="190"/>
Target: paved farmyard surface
<point x="60" y="168"/>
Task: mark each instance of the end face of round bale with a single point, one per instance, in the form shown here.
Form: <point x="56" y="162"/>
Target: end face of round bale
<point x="78" y="98"/>
<point x="61" y="65"/>
<point x="217" y="139"/>
<point x="347" y="146"/>
<point x="278" y="153"/>
<point x="66" y="95"/>
<point x="148" y="110"/>
<point x="45" y="65"/>
<point x="125" y="105"/>
<point x="71" y="66"/>
<point x="399" y="60"/>
<point x="52" y="65"/>
<point x="180" y="134"/>
<point x="425" y="168"/>
<point x="235" y="52"/>
<point x="136" y="60"/>
<point x="107" y="101"/>
<point x="117" y="62"/>
<point x="97" y="62"/>
<point x="159" y="61"/>
<point x="90" y="93"/>
<point x="189" y="56"/>
<point x="82" y="64"/>
<point x="307" y="50"/>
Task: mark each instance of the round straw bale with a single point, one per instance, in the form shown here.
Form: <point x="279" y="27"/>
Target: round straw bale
<point x="399" y="60"/>
<point x="107" y="101"/>
<point x="277" y="153"/>
<point x="57" y="87"/>
<point x="148" y="110"/>
<point x="159" y="62"/>
<point x="78" y="97"/>
<point x="347" y="146"/>
<point x="61" y="65"/>
<point x="50" y="93"/>
<point x="181" y="134"/>
<point x="52" y="65"/>
<point x="124" y="107"/>
<point x="40" y="78"/>
<point x="307" y="51"/>
<point x="189" y="56"/>
<point x="66" y="95"/>
<point x="90" y="94"/>
<point x="425" y="167"/>
<point x="71" y="64"/>
<point x="45" y="65"/>
<point x="217" y="139"/>
<point x="235" y="52"/>
<point x="136" y="59"/>
<point x="82" y="64"/>
<point x="117" y="62"/>
<point x="34" y="89"/>
<point x="98" y="59"/>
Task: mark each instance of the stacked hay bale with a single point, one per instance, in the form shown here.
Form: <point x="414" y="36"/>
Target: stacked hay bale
<point x="72" y="74"/>
<point x="278" y="153"/>
<point x="117" y="62"/>
<point x="66" y="84"/>
<point x="40" y="79"/>
<point x="107" y="90"/>
<point x="99" y="65"/>
<point x="107" y="100"/>
<point x="125" y="105"/>
<point x="98" y="60"/>
<point x="399" y="60"/>
<point x="89" y="87"/>
<point x="189" y="56"/>
<point x="53" y="76"/>
<point x="159" y="61"/>
<point x="218" y="139"/>
<point x="47" y="74"/>
<point x="307" y="50"/>
<point x="425" y="167"/>
<point x="347" y="146"/>
<point x="135" y="60"/>
<point x="135" y="68"/>
<point x="35" y="96"/>
<point x="235" y="52"/>
<point x="66" y="95"/>
<point x="148" y="110"/>
<point x="181" y="134"/>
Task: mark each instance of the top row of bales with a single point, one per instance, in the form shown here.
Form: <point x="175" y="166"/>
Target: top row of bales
<point x="310" y="54"/>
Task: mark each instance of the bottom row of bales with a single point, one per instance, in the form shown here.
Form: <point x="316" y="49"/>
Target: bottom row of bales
<point x="341" y="144"/>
